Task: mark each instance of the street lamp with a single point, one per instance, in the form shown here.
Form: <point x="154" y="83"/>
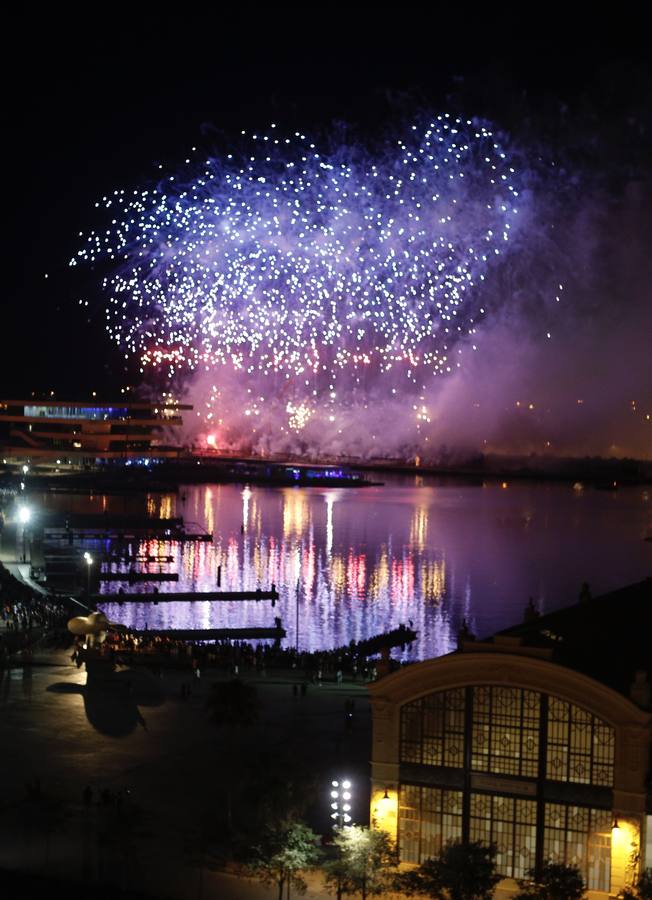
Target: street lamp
<point x="89" y="563"/>
<point x="24" y="516"/>
<point x="341" y="804"/>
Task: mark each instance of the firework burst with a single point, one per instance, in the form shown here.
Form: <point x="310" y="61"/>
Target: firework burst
<point x="309" y="268"/>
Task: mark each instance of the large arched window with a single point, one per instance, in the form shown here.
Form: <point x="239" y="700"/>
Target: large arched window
<point x="505" y="728"/>
<point x="527" y="771"/>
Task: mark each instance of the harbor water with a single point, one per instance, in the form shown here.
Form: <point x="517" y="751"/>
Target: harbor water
<point x="350" y="563"/>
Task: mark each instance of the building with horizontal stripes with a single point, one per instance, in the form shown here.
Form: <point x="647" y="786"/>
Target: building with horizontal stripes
<point x="82" y="431"/>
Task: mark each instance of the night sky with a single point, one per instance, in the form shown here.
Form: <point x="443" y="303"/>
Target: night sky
<point x="94" y="107"/>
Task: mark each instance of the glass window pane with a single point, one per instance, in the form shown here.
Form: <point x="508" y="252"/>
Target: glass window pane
<point x="509" y="823"/>
<point x="577" y="835"/>
<point x="505" y="737"/>
<point x="580" y="746"/>
<point x="428" y="818"/>
<point x="432" y="730"/>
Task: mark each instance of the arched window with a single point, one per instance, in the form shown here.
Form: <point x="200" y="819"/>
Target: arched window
<point x="505" y="765"/>
<point x="505" y="728"/>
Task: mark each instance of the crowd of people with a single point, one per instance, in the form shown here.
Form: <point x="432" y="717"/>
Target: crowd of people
<point x="239" y="657"/>
<point x="28" y="614"/>
<point x="23" y="609"/>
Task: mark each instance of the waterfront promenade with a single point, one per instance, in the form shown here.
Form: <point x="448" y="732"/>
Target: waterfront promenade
<point x="142" y="741"/>
<point x="142" y="746"/>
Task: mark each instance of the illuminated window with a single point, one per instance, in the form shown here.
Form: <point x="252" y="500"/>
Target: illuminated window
<point x="505" y="731"/>
<point x="509" y="823"/>
<point x="428" y="818"/>
<point x="514" y="740"/>
<point x="580" y="746"/>
<point x="432" y="730"/>
<point x="579" y="836"/>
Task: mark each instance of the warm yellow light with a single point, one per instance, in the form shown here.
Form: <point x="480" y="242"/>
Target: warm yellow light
<point x="625" y="846"/>
<point x="384" y="808"/>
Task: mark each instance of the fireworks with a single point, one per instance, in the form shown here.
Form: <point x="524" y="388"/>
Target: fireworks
<point x="314" y="269"/>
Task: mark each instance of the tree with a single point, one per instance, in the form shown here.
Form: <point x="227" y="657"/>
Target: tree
<point x="365" y="862"/>
<point x="281" y="784"/>
<point x="205" y="846"/>
<point x="233" y="704"/>
<point x="234" y="707"/>
<point x="284" y="853"/>
<point x="461" y="872"/>
<point x="641" y="889"/>
<point x="556" y="881"/>
<point x="43" y="814"/>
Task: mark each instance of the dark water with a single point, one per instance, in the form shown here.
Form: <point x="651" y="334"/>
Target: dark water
<point x="362" y="561"/>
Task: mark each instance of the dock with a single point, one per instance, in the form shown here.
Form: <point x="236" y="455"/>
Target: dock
<point x="209" y="634"/>
<point x="120" y="536"/>
<point x="133" y="577"/>
<point x="187" y="597"/>
<point x="72" y="521"/>
<point x="126" y="558"/>
<point x="396" y="638"/>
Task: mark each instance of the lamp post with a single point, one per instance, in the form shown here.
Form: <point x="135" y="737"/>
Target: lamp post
<point x="340" y="796"/>
<point x="89" y="563"/>
<point x="24" y="516"/>
<point x="297" y="625"/>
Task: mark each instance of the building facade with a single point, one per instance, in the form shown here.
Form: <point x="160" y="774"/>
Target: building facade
<point x="500" y="744"/>
<point x="78" y="431"/>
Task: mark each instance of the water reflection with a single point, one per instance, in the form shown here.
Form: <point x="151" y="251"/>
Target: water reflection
<point x="362" y="561"/>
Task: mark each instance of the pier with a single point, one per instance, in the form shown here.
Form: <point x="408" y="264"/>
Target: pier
<point x="133" y="577"/>
<point x="122" y="536"/>
<point x="187" y="597"/>
<point x="126" y="558"/>
<point x="378" y="643"/>
<point x="207" y="634"/>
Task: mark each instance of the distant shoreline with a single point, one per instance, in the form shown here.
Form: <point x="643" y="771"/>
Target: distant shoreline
<point x="164" y="475"/>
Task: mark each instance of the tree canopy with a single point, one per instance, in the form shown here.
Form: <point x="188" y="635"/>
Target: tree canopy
<point x="365" y="862"/>
<point x="283" y="853"/>
<point x="233" y="704"/>
<point x="556" y="881"/>
<point x="641" y="889"/>
<point x="461" y="872"/>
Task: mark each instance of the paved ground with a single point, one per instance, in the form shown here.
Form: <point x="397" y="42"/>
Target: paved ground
<point x="57" y="736"/>
<point x="137" y="737"/>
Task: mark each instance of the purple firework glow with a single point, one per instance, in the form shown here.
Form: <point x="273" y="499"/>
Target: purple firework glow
<point x="300" y="286"/>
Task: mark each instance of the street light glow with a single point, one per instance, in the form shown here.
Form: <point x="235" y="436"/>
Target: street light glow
<point x="89" y="563"/>
<point x="24" y="515"/>
<point x="341" y="810"/>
